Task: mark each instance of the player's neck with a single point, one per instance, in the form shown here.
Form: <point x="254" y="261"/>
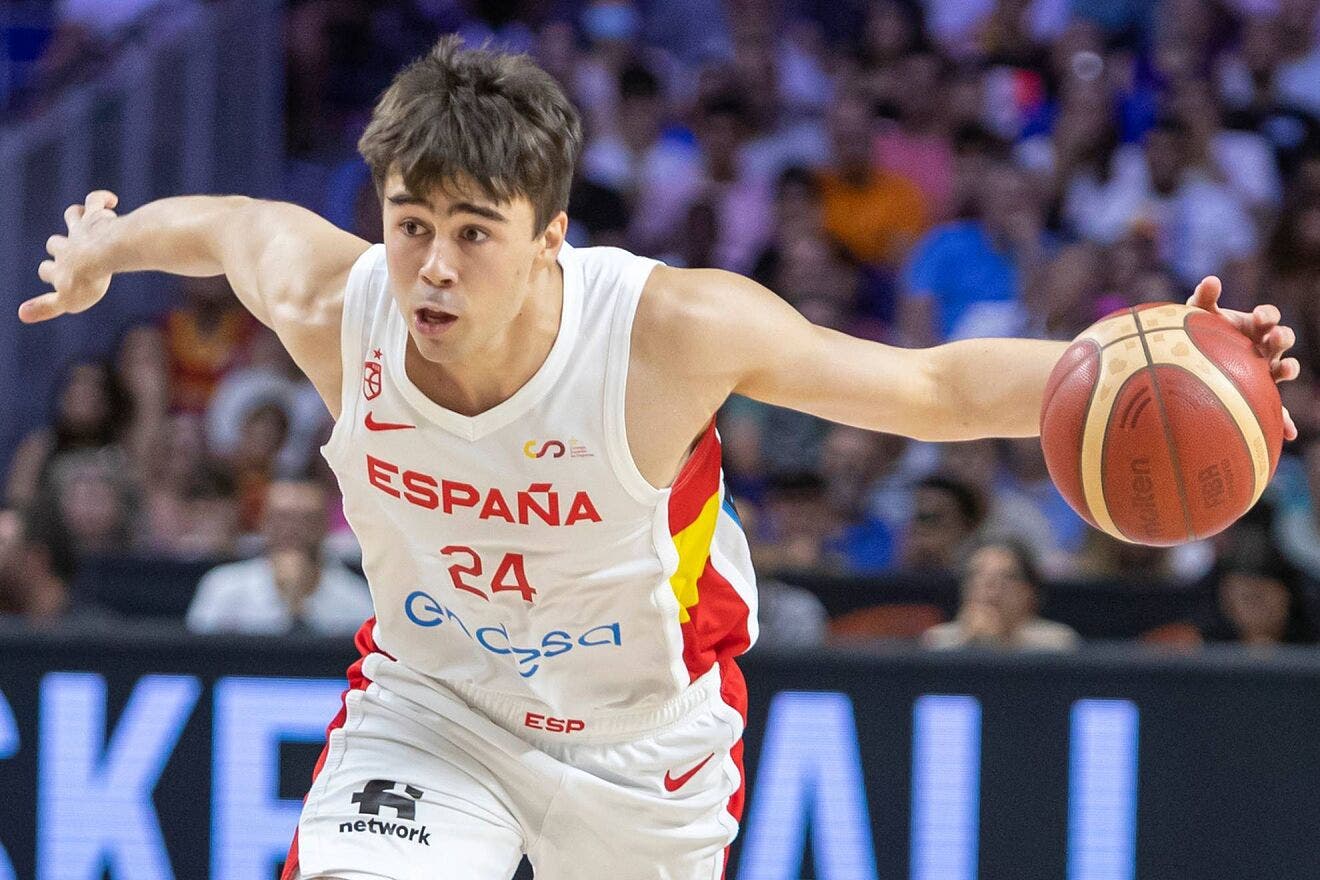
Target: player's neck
<point x="495" y="373"/>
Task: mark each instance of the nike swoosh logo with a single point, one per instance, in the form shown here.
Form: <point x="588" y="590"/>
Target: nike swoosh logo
<point x="672" y="784"/>
<point x="373" y="425"/>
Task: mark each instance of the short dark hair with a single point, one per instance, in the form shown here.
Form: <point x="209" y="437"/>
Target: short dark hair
<point x="1021" y="552"/>
<point x="969" y="501"/>
<point x="491" y="117"/>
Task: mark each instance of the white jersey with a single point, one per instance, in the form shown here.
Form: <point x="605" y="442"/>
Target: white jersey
<point x="519" y="553"/>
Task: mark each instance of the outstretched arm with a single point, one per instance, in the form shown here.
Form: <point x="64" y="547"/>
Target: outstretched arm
<point x="286" y="265"/>
<point x="760" y="347"/>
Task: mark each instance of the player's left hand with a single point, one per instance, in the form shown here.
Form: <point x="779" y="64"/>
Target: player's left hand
<point x="1262" y="325"/>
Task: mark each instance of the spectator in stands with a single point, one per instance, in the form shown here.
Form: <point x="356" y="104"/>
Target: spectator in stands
<point x="211" y="515"/>
<point x="863" y="542"/>
<point x="253" y="461"/>
<point x="738" y="190"/>
<point x="269" y="376"/>
<point x="1018" y="506"/>
<point x="655" y="171"/>
<point x="322" y="38"/>
<point x="1064" y="301"/>
<point x="798" y="216"/>
<point x="788" y="616"/>
<point x="1242" y="159"/>
<point x="91" y="412"/>
<point x="143" y="371"/>
<point x="1101" y="184"/>
<point x="915" y="143"/>
<point x="797" y="522"/>
<point x="190" y="500"/>
<point x="1199" y="224"/>
<point x="600" y="214"/>
<point x="205" y="337"/>
<point x="1304" y="401"/>
<point x="946" y="513"/>
<point x="1296" y="527"/>
<point x="1260" y="598"/>
<point x="96" y="499"/>
<point x="1001" y="598"/>
<point x="876" y="214"/>
<point x="1278" y="62"/>
<point x="36" y="565"/>
<point x="807" y="531"/>
<point x="293" y="586"/>
<point x="177" y="453"/>
<point x="1026" y="477"/>
<point x="1103" y="557"/>
<point x="869" y="476"/>
<point x="966" y="278"/>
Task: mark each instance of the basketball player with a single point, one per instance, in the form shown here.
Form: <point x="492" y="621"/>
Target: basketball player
<point x="525" y="444"/>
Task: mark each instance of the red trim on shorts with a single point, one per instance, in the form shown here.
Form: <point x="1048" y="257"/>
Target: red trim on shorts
<point x="365" y="644"/>
<point x="733" y="690"/>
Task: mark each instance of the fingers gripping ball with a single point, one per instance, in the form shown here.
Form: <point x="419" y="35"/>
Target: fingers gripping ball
<point x="1161" y="424"/>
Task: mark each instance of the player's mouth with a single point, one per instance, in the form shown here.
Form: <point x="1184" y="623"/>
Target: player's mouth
<point x="433" y="322"/>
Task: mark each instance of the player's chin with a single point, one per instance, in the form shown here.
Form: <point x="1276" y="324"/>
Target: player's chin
<point x="429" y="349"/>
<point x="436" y="350"/>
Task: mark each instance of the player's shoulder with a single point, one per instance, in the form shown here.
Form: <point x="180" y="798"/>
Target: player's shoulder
<point x="692" y="302"/>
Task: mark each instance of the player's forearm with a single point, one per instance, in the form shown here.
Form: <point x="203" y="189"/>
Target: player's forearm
<point x="183" y="235"/>
<point x="994" y="387"/>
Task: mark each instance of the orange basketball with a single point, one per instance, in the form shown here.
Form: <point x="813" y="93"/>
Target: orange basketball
<point x="1161" y="424"/>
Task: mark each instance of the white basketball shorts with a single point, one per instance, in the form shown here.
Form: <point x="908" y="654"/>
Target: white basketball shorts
<point x="418" y="783"/>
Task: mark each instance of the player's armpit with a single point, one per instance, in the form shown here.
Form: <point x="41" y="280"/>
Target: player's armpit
<point x="750" y="342"/>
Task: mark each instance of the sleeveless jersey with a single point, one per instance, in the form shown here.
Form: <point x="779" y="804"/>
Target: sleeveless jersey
<point x="519" y="552"/>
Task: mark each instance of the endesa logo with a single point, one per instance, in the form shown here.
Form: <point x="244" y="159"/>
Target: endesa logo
<point x="552" y="448"/>
<point x="424" y="610"/>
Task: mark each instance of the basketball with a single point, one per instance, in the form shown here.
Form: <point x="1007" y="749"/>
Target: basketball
<point x="1161" y="424"/>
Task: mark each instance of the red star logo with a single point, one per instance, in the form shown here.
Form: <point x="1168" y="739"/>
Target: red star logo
<point x="375" y="353"/>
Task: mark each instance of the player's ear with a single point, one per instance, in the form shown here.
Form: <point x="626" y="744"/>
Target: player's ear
<point x="553" y="237"/>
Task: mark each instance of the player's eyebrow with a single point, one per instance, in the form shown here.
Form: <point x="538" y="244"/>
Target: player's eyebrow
<point x="479" y="210"/>
<point x="408" y="198"/>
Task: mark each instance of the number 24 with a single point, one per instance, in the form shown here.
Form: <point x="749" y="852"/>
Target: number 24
<point x="510" y="567"/>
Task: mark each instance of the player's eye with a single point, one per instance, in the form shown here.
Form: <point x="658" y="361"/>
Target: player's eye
<point x="411" y="228"/>
<point x="473" y="234"/>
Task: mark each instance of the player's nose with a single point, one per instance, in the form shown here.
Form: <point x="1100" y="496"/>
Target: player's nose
<point x="438" y="270"/>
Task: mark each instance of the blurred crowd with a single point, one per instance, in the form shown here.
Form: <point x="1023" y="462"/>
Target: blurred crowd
<point x="909" y="171"/>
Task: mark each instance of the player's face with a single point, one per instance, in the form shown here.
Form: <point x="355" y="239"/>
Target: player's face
<point x="994" y="578"/>
<point x="460" y="265"/>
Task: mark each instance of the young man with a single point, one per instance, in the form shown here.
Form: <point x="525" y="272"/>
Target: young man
<point x="526" y="447"/>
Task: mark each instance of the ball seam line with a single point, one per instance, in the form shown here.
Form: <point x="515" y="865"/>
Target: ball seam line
<point x="1166" y="428"/>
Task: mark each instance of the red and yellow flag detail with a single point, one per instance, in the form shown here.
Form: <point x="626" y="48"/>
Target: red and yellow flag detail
<point x="711" y="613"/>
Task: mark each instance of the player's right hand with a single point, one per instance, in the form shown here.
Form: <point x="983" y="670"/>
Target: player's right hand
<point x="74" y="270"/>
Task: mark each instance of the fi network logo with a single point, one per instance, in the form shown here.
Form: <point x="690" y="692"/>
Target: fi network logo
<point x="379" y="793"/>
